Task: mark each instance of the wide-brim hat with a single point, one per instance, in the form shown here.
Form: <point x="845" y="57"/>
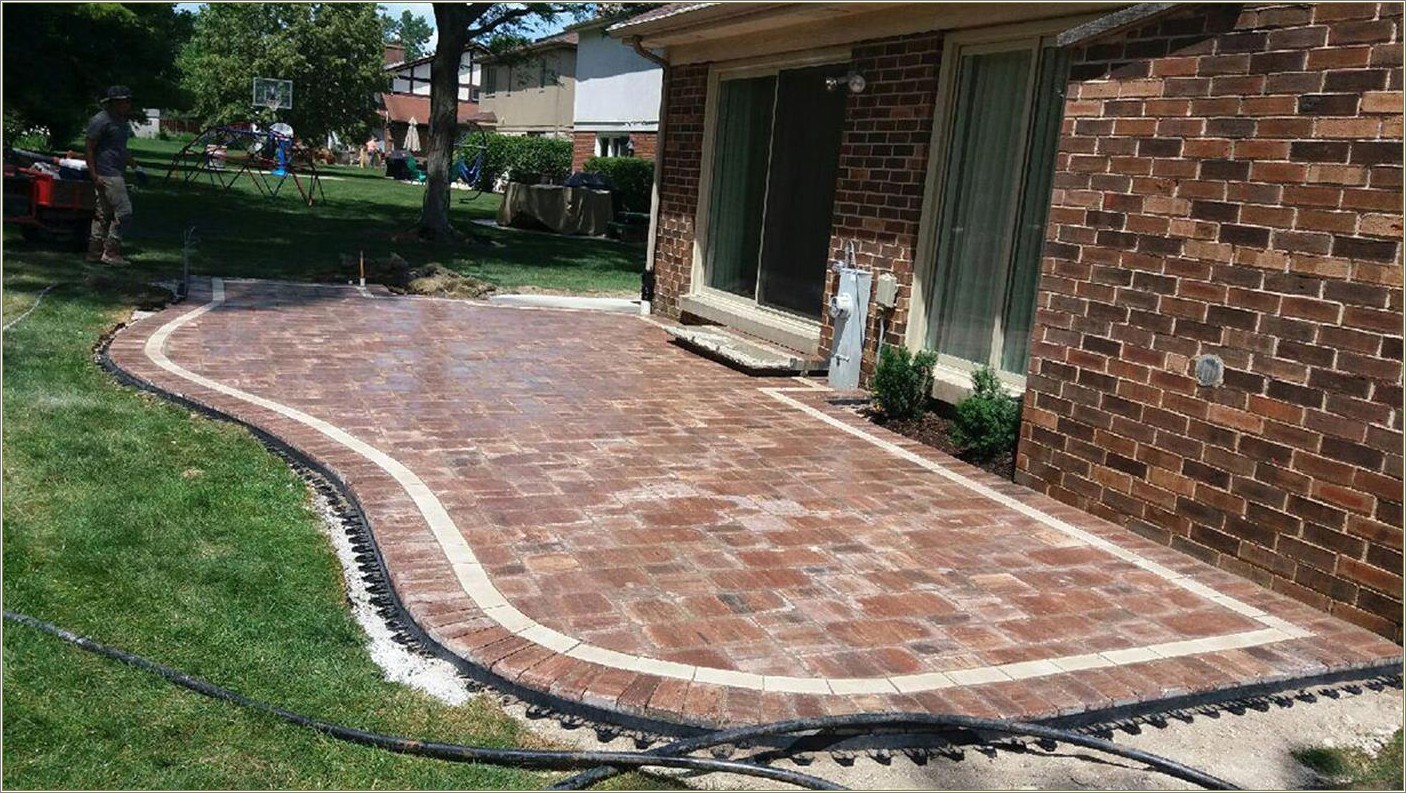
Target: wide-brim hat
<point x="117" y="92"/>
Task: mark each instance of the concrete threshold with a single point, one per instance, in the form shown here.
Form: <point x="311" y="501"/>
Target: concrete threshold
<point x="747" y="355"/>
<point x="616" y="305"/>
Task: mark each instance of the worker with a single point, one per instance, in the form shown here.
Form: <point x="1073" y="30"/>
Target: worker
<point x="108" y="158"/>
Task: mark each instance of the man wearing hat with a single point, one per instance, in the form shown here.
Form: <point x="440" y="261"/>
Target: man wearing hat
<point x="108" y="158"/>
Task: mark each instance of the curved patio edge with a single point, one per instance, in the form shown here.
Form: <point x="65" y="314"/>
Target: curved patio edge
<point x="487" y="651"/>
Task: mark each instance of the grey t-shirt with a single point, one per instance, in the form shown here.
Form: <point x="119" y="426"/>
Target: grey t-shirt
<point x="110" y="151"/>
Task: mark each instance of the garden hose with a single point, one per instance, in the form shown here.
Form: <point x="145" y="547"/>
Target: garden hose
<point x="521" y="758"/>
<point x="37" y="301"/>
<point x="603" y="765"/>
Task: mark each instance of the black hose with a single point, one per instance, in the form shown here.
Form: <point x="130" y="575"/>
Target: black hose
<point x="521" y="758"/>
<point x="604" y="765"/>
<point x="910" y="722"/>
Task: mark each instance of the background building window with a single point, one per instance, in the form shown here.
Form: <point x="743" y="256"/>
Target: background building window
<point x="614" y="146"/>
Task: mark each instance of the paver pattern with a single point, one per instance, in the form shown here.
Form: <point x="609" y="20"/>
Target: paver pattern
<point x="632" y="526"/>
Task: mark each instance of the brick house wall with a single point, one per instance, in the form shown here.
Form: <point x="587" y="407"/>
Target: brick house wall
<point x="882" y="169"/>
<point x="583" y="146"/>
<point x="879" y="192"/>
<point x="1229" y="183"/>
<point x="687" y="88"/>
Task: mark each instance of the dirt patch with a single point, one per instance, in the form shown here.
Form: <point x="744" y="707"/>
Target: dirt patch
<point x="433" y="279"/>
<point x="932" y="429"/>
<point x="439" y="281"/>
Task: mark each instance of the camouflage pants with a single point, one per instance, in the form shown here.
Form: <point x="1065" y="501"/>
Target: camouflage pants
<point x="113" y="210"/>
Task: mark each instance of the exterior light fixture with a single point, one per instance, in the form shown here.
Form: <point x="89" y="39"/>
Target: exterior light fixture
<point x="854" y="81"/>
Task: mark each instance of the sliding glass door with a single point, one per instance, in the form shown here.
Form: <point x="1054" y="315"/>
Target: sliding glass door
<point x="775" y="155"/>
<point x="1004" y="118"/>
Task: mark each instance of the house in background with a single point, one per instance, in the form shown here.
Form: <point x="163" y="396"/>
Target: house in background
<point x="1174" y="228"/>
<point x="532" y="90"/>
<point x="617" y="97"/>
<point x="413" y="77"/>
<point x="408" y="99"/>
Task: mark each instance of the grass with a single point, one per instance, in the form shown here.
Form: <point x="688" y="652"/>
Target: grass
<point x="1347" y="769"/>
<point x="245" y="234"/>
<point x="183" y="540"/>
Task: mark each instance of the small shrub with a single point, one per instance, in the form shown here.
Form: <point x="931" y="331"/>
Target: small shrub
<point x="987" y="422"/>
<point x="630" y="177"/>
<point x="903" y="381"/>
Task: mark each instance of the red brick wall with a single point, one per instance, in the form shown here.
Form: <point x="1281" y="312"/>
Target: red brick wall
<point x="678" y="185"/>
<point x="645" y="144"/>
<point x="1229" y="183"/>
<point x="883" y="165"/>
<point x="583" y="147"/>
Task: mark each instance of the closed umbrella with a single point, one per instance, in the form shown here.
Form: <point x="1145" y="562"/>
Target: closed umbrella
<point x="412" y="136"/>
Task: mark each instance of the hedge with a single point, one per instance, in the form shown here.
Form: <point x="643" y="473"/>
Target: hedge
<point x="523" y="158"/>
<point x="630" y="177"/>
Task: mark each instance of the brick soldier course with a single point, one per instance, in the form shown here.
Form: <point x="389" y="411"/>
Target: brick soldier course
<point x="570" y="501"/>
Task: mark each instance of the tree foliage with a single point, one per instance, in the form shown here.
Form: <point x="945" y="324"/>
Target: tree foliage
<point x="413" y="33"/>
<point x="331" y="52"/>
<point x="61" y="57"/>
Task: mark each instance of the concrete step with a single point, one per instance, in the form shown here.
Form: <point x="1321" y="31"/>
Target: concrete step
<point x="752" y="356"/>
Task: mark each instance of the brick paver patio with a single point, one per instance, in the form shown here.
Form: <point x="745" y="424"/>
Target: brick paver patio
<point x="590" y="511"/>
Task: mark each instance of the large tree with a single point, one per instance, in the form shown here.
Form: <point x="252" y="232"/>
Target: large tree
<point x="60" y="58"/>
<point x="414" y="33"/>
<point x="491" y="25"/>
<point x="331" y="52"/>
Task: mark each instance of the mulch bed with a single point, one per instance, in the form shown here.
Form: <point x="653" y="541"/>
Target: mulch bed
<point x="931" y="430"/>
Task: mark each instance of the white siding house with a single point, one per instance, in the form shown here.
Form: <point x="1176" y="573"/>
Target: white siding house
<point x="617" y="96"/>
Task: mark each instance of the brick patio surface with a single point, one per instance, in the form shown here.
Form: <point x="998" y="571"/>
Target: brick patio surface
<point x="571" y="501"/>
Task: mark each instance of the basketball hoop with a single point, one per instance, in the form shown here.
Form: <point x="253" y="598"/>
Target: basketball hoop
<point x="273" y="94"/>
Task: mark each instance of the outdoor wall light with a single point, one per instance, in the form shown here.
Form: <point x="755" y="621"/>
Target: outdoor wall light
<point x="854" y="81"/>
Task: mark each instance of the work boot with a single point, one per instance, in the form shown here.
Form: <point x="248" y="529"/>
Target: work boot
<point x="95" y="250"/>
<point x="112" y="254"/>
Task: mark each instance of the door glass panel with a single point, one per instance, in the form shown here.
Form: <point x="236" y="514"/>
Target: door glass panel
<point x="805" y="155"/>
<point x="978" y="206"/>
<point x="1034" y="208"/>
<point x="741" y="145"/>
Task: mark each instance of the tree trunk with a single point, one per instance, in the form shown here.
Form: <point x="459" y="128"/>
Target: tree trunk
<point x="452" y="21"/>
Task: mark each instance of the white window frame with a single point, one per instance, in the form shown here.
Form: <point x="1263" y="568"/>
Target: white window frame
<point x="951" y="372"/>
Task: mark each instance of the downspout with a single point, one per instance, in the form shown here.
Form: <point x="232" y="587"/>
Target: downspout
<point x="647" y="278"/>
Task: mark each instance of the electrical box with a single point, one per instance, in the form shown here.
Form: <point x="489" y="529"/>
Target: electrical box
<point x="886" y="290"/>
<point x="849" y="308"/>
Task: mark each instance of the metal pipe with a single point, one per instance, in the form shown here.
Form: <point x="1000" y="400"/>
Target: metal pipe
<point x="647" y="292"/>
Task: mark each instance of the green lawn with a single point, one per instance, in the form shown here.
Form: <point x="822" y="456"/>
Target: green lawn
<point x="1349" y="769"/>
<point x="183" y="540"/>
<point x="243" y="233"/>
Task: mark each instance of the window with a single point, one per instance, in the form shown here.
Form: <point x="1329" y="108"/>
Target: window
<point x="490" y="79"/>
<point x="775" y="155"/>
<point x="1004" y="114"/>
<point x="614" y="146"/>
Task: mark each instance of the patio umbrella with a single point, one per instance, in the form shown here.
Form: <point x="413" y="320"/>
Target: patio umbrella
<point x="412" y="136"/>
